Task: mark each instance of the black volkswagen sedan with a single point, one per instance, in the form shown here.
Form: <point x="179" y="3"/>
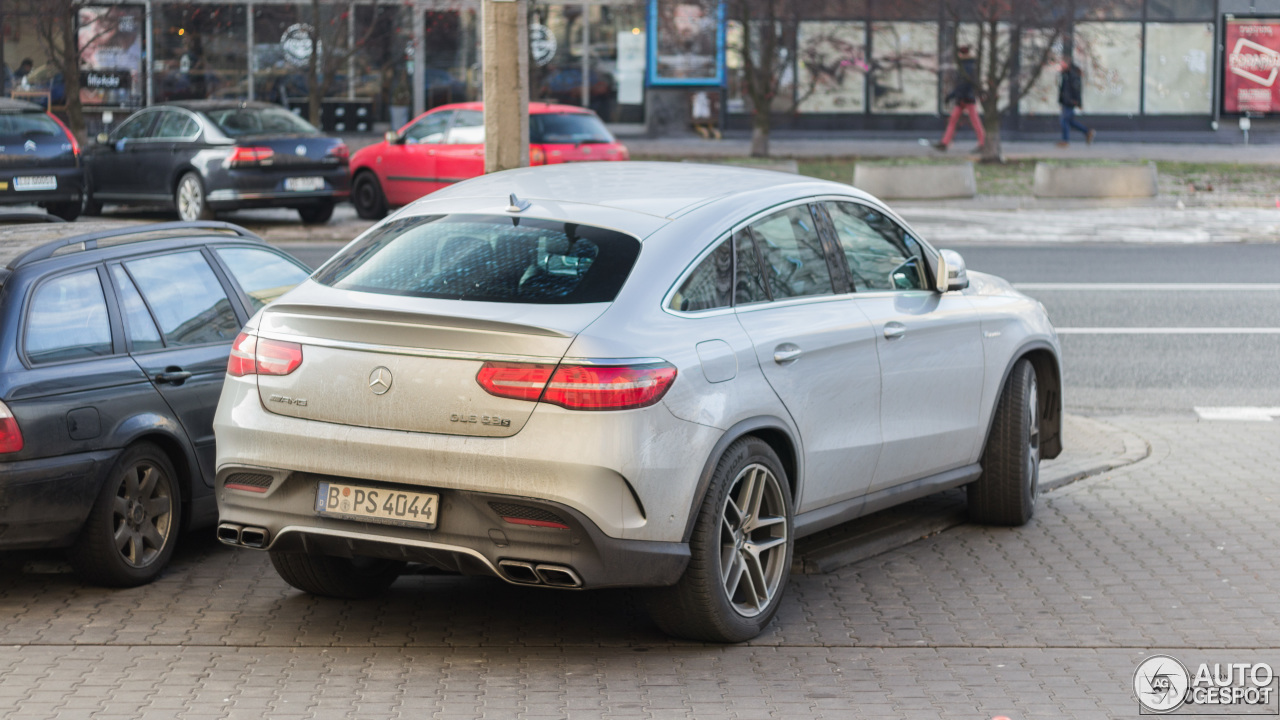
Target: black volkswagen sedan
<point x="39" y="160"/>
<point x="203" y="156"/>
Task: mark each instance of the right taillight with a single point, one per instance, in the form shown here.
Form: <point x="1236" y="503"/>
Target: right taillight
<point x="580" y="387"/>
<point x="10" y="433"/>
<point x="251" y="355"/>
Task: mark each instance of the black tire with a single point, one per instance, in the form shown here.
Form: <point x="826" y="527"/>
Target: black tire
<point x="367" y="196"/>
<point x="92" y="208"/>
<point x="68" y="211"/>
<point x="132" y="529"/>
<point x="701" y="606"/>
<point x="1006" y="492"/>
<point x="350" y="578"/>
<point x="317" y="214"/>
<point x="189" y="199"/>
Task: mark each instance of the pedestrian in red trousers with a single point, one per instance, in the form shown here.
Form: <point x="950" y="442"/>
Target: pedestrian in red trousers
<point x="966" y="100"/>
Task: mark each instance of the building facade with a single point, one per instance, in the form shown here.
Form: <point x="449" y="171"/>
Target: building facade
<point x="851" y="65"/>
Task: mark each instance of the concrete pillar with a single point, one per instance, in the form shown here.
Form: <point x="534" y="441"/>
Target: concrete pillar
<point x="506" y="84"/>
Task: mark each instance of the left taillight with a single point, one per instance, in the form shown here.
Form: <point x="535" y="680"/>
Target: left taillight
<point x="251" y="355"/>
<point x="580" y="387"/>
<point x="10" y="433"/>
<point x="243" y="156"/>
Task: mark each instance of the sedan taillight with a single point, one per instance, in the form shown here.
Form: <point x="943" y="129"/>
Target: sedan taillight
<point x="251" y="355"/>
<point x="341" y="151"/>
<point x="243" y="156"/>
<point x="580" y="387"/>
<point x="10" y="433"/>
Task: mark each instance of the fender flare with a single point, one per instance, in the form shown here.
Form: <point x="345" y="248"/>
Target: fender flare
<point x="141" y="425"/>
<point x="1050" y="397"/>
<point x="737" y="431"/>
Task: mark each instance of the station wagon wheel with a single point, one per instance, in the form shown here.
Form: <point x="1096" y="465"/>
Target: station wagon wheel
<point x="130" y="533"/>
<point x="189" y="199"/>
<point x="1006" y="492"/>
<point x="740" y="551"/>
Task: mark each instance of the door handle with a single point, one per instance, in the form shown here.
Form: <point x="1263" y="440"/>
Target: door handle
<point x="786" y="353"/>
<point x="894" y="330"/>
<point x="175" y="376"/>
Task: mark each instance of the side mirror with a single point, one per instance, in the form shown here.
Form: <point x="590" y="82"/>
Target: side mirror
<point x="103" y="138"/>
<point x="392" y="137"/>
<point x="957" y="274"/>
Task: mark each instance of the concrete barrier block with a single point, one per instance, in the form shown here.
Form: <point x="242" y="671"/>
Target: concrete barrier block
<point x="1095" y="181"/>
<point x="916" y="182"/>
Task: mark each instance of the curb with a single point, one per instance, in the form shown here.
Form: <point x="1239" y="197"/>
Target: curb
<point x="897" y="527"/>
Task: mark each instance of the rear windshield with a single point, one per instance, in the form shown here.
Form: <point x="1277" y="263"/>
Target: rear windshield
<point x="20" y="127"/>
<point x="486" y="258"/>
<point x="567" y="129"/>
<point x="235" y="122"/>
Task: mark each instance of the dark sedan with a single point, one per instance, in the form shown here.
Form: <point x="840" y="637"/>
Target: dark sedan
<point x="39" y="160"/>
<point x="204" y="156"/>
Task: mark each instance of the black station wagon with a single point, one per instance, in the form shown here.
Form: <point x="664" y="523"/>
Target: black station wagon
<point x="113" y="349"/>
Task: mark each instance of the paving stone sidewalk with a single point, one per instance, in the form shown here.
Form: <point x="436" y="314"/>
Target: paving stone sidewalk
<point x="1174" y="553"/>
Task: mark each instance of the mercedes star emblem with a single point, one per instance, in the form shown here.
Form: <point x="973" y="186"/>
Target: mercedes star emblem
<point x="380" y="381"/>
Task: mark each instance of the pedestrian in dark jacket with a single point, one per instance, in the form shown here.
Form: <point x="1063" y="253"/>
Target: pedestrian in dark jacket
<point x="1070" y="97"/>
<point x="966" y="100"/>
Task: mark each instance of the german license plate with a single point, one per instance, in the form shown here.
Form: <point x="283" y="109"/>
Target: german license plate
<point x="303" y="184"/>
<point x="35" y="182"/>
<point x="377" y="505"/>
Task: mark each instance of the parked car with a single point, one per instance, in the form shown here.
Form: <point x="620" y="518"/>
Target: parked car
<point x="39" y="160"/>
<point x="113" y="347"/>
<point x="203" y="156"/>
<point x="642" y="374"/>
<point x="446" y="145"/>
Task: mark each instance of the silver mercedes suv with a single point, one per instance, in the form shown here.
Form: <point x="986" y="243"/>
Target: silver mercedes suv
<point x="642" y="374"/>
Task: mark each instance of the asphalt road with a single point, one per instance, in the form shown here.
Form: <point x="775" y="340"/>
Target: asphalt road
<point x="1201" y="322"/>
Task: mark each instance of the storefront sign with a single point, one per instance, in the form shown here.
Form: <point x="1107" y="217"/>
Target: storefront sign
<point x="686" y="42"/>
<point x="1251" y="72"/>
<point x="110" y="41"/>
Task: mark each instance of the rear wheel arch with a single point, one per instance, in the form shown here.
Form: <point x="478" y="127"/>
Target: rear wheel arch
<point x="177" y="175"/>
<point x="183" y="461"/>
<point x="775" y="433"/>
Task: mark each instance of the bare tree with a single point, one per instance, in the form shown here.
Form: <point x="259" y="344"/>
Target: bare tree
<point x="55" y="26"/>
<point x="332" y="45"/>
<point x="768" y="30"/>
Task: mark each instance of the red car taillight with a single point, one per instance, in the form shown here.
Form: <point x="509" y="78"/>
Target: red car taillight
<point x="242" y="156"/>
<point x="10" y="433"/>
<point x="341" y="151"/>
<point x="75" y="144"/>
<point x="251" y="355"/>
<point x="537" y="156"/>
<point x="580" y="387"/>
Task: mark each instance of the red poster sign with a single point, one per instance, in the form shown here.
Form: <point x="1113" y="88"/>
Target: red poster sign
<point x="1251" y="73"/>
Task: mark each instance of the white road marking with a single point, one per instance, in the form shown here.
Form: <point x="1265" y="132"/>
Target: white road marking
<point x="1169" y="330"/>
<point x="1153" y="287"/>
<point x="1247" y="414"/>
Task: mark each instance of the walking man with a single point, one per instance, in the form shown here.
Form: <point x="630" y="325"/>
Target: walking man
<point x="1070" y="97"/>
<point x="966" y="100"/>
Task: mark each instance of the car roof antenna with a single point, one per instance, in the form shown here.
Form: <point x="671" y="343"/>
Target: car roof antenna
<point x="517" y="205"/>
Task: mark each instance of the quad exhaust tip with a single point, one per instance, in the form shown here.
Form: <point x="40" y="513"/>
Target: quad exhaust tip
<point x="250" y="537"/>
<point x="526" y="573"/>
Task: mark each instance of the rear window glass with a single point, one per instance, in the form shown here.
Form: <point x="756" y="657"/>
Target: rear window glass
<point x="19" y="128"/>
<point x="235" y="122"/>
<point x="486" y="258"/>
<point x="567" y="129"/>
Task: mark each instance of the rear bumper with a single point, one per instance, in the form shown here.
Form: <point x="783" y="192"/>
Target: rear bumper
<point x="70" y="185"/>
<point x="471" y="536"/>
<point x="266" y="188"/>
<point x="44" y="502"/>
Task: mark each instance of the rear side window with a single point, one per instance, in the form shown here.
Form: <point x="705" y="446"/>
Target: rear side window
<point x="174" y="124"/>
<point x="186" y="298"/>
<point x="748" y="280"/>
<point x="795" y="264"/>
<point x="486" y="258"/>
<point x="68" y="320"/>
<point x="264" y="276"/>
<point x="468" y="128"/>
<point x="141" y="329"/>
<point x="567" y="129"/>
<point x="710" y="285"/>
<point x="18" y="128"/>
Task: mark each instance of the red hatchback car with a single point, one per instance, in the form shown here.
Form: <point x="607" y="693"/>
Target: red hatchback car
<point x="446" y="145"/>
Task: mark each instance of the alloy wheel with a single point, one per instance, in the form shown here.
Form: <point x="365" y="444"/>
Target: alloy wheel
<point x="142" y="517"/>
<point x="753" y="540"/>
<point x="190" y="199"/>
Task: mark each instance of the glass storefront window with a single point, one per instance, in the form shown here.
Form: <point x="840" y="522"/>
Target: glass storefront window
<point x="1110" y="55"/>
<point x="1041" y="98"/>
<point x="833" y="66"/>
<point x="452" y="62"/>
<point x="735" y="42"/>
<point x="904" y="68"/>
<point x="1113" y="10"/>
<point x="200" y="51"/>
<point x="384" y="44"/>
<point x="1179" y="60"/>
<point x="1180" y="9"/>
<point x="111" y="41"/>
<point x="977" y="38"/>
